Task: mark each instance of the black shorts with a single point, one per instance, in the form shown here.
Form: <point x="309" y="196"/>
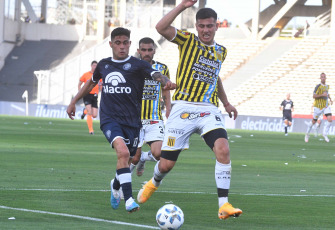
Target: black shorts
<point x="91" y="99"/>
<point x="129" y="134"/>
<point x="287" y="116"/>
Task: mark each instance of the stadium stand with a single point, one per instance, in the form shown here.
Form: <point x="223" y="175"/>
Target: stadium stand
<point x="17" y="75"/>
<point x="297" y="72"/>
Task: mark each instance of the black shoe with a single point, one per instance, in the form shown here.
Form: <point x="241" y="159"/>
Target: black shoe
<point x="91" y="133"/>
<point x="83" y="115"/>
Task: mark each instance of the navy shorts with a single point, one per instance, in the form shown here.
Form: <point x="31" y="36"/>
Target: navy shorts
<point x="91" y="99"/>
<point x="129" y="134"/>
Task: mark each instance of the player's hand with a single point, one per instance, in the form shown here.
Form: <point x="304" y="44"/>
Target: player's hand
<point x="189" y="3"/>
<point x="71" y="111"/>
<point x="169" y="85"/>
<point x="231" y="109"/>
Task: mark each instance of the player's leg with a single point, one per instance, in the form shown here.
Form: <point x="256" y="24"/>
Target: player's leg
<point x="124" y="141"/>
<point x="316" y="113"/>
<point x="154" y="134"/>
<point x="135" y="159"/>
<point x="217" y="140"/>
<point x="161" y="169"/>
<point x="176" y="138"/>
<point x="89" y="119"/>
<point x="286" y="124"/>
<point x="327" y="125"/>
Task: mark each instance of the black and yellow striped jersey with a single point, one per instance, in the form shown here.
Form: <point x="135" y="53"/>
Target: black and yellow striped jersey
<point x="152" y="91"/>
<point x="198" y="69"/>
<point x="321" y="102"/>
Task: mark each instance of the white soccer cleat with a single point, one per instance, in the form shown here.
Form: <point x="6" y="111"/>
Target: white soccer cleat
<point x="326" y="138"/>
<point x="306" y="138"/>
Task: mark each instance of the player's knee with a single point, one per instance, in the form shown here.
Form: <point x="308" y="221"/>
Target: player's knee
<point x="166" y="165"/>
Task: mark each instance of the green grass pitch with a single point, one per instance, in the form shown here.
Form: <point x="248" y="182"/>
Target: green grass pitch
<point x="54" y="175"/>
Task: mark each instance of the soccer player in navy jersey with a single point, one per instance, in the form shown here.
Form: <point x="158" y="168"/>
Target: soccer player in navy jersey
<point x="195" y="102"/>
<point x="287" y="107"/>
<point x="120" y="107"/>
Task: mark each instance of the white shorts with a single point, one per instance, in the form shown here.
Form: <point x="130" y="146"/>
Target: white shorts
<point x="319" y="112"/>
<point x="152" y="130"/>
<point x="186" y="119"/>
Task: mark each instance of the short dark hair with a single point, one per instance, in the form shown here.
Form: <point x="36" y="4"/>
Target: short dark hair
<point x="94" y="62"/>
<point x="120" y="31"/>
<point x="146" y="40"/>
<point x="206" y="13"/>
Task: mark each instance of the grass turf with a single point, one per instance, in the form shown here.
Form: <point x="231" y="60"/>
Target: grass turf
<point x="54" y="166"/>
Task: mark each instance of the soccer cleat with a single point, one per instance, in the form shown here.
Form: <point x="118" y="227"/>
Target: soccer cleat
<point x="227" y="210"/>
<point x="115" y="197"/>
<point x="140" y="168"/>
<point x="286" y="134"/>
<point x="91" y="133"/>
<point x="146" y="191"/>
<point x="326" y="138"/>
<point x="306" y="138"/>
<point x="133" y="207"/>
<point x="83" y="115"/>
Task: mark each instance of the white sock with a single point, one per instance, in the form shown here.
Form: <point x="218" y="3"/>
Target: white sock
<point x="158" y="176"/>
<point x="222" y="179"/>
<point x="326" y="130"/>
<point x="132" y="167"/>
<point x="147" y="156"/>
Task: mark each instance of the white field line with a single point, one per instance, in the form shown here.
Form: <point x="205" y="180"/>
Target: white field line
<point x="79" y="217"/>
<point x="180" y="192"/>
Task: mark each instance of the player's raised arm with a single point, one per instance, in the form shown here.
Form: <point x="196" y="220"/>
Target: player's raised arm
<point x="71" y="109"/>
<point x="164" y="80"/>
<point x="164" y="25"/>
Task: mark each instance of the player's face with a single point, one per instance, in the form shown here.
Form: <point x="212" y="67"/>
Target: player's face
<point x="120" y="46"/>
<point x="146" y="52"/>
<point x="288" y="96"/>
<point x="206" y="30"/>
<point x="323" y="78"/>
<point x="93" y="66"/>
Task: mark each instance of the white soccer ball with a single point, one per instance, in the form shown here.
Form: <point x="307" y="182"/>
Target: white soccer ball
<point x="170" y="217"/>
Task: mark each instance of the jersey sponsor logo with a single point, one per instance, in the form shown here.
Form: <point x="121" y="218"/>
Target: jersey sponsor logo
<point x="115" y="78"/>
<point x="149" y="122"/>
<point x="149" y="97"/>
<point x="192" y="116"/>
<point x="209" y="62"/>
<point x="171" y="141"/>
<point x="203" y="78"/>
<point x="126" y="66"/>
<point x="151" y="82"/>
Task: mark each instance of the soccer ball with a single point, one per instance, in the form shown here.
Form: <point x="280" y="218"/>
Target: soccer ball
<point x="170" y="217"/>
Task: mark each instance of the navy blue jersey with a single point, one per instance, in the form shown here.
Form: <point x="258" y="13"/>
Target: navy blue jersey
<point x="287" y="107"/>
<point x="122" y="88"/>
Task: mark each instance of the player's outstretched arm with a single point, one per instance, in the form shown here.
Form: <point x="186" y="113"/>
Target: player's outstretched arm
<point x="164" y="27"/>
<point x="164" y="80"/>
<point x="71" y="109"/>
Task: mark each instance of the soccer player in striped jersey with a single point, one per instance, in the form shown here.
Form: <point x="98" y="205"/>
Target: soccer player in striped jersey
<point x="321" y="106"/>
<point x="152" y="131"/>
<point x="120" y="107"/>
<point x="195" y="102"/>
